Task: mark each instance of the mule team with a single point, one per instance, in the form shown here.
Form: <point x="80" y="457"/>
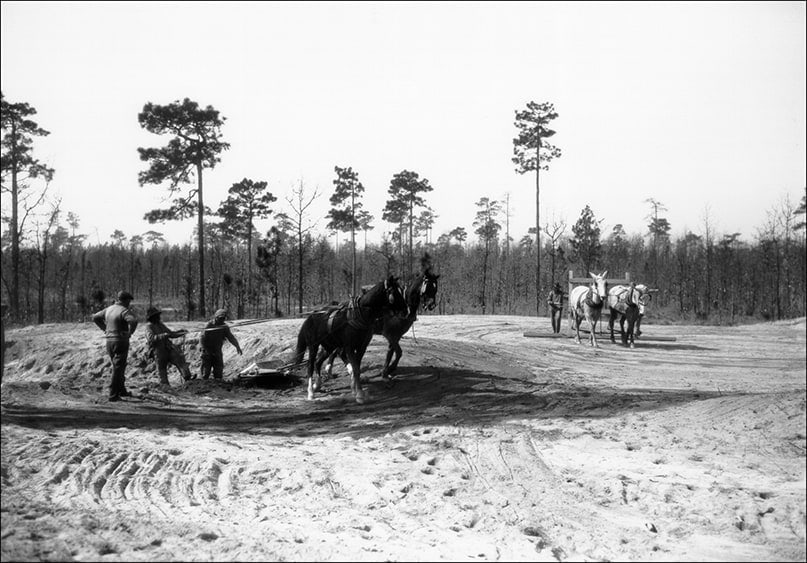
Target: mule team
<point x="625" y="302"/>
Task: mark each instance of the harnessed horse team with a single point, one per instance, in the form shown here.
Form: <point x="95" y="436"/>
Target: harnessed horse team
<point x="346" y="329"/>
<point x="390" y="309"/>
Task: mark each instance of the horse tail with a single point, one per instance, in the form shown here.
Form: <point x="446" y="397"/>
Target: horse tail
<point x="301" y="343"/>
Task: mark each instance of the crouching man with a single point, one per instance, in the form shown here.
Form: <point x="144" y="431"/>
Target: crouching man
<point x="158" y="337"/>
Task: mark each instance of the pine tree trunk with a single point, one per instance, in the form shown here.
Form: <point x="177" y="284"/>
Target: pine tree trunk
<point x="201" y="225"/>
<point x="538" y="229"/>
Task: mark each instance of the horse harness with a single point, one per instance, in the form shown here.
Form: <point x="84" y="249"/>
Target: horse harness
<point x="589" y="300"/>
<point x="626" y="296"/>
<point x="357" y="316"/>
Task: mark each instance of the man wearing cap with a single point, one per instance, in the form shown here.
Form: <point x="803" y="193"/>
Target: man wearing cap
<point x="118" y="323"/>
<point x="555" y="301"/>
<point x="212" y="340"/>
<point x="158" y="338"/>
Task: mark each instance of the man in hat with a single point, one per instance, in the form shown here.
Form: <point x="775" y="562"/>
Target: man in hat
<point x="158" y="338"/>
<point x="212" y="340"/>
<point x="118" y="323"/>
<point x="555" y="301"/>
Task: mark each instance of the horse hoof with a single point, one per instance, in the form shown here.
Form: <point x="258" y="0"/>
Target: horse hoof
<point x="310" y="396"/>
<point x="361" y="398"/>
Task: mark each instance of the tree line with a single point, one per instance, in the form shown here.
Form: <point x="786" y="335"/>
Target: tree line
<point x="52" y="273"/>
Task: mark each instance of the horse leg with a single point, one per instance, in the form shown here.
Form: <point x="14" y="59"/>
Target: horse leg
<point x="631" y="328"/>
<point x="622" y="333"/>
<point x="630" y="332"/>
<point x="343" y="356"/>
<point x="395" y="347"/>
<point x="328" y="360"/>
<point x="355" y="383"/>
<point x="638" y="326"/>
<point x="312" y="385"/>
<point x="385" y="372"/>
<point x="322" y="362"/>
<point x="592" y="323"/>
<point x="576" y="320"/>
<point x="611" y="320"/>
<point x="398" y="354"/>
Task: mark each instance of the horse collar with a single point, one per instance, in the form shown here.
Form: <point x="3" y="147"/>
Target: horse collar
<point x="590" y="299"/>
<point x="356" y="315"/>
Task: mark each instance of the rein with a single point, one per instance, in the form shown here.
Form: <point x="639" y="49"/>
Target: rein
<point x="413" y="299"/>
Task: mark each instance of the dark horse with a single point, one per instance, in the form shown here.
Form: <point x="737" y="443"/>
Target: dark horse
<point x="349" y="327"/>
<point x="420" y="291"/>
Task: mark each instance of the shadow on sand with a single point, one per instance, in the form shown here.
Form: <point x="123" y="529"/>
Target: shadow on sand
<point x="418" y="396"/>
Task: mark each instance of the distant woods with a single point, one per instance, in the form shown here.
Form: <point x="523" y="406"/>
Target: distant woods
<point x="52" y="272"/>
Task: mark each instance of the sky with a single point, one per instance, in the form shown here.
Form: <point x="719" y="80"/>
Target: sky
<point x="699" y="106"/>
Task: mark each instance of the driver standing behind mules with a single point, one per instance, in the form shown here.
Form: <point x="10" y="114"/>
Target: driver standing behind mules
<point x="212" y="340"/>
<point x="555" y="301"/>
<point x="158" y="338"/>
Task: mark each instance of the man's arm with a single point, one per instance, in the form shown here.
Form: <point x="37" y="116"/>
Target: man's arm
<point x="229" y="335"/>
<point x="176" y="333"/>
<point x="100" y="320"/>
<point x="151" y="337"/>
<point x="131" y="320"/>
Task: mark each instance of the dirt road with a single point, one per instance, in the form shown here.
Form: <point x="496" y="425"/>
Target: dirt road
<point x="489" y="446"/>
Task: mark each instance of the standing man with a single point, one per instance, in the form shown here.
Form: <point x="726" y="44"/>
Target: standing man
<point x="118" y="323"/>
<point x="212" y="340"/>
<point x="555" y="301"/>
<point x="158" y="338"/>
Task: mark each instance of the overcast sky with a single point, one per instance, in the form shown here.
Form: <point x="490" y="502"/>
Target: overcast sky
<point x="700" y="106"/>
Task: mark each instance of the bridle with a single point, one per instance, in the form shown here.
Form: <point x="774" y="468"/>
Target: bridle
<point x="592" y="292"/>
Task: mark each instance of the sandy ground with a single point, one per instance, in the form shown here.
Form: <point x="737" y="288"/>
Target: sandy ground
<point x="489" y="446"/>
